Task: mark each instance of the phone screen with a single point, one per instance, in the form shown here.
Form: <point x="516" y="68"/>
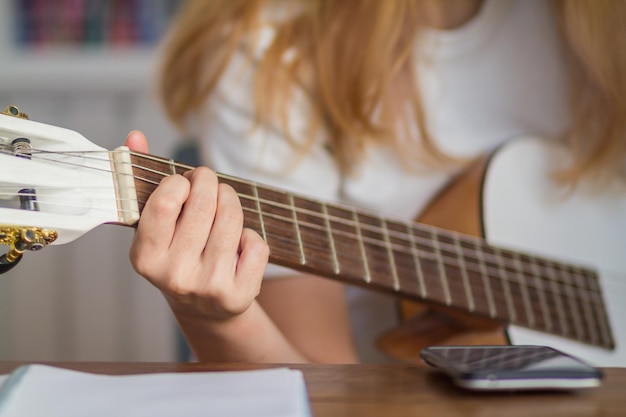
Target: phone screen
<point x="511" y="367"/>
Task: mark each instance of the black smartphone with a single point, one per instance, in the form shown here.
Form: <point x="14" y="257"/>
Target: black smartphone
<point x="488" y="368"/>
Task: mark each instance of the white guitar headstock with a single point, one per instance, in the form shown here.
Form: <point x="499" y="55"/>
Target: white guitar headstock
<point x="55" y="185"/>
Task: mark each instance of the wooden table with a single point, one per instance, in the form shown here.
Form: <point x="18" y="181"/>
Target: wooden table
<point x="402" y="390"/>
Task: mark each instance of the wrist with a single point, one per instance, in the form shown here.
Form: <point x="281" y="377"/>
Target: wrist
<point x="202" y="308"/>
<point x="248" y="337"/>
<point x="192" y="320"/>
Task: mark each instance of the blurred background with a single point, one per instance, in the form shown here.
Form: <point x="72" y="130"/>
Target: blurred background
<point x="86" y="65"/>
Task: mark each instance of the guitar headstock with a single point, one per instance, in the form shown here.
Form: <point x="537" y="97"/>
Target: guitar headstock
<point x="56" y="185"/>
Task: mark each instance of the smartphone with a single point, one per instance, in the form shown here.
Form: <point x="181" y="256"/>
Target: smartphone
<point x="491" y="368"/>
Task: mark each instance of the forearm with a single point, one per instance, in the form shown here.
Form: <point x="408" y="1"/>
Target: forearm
<point x="249" y="337"/>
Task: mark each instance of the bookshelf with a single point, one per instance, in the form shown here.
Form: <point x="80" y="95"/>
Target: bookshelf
<point x="86" y="45"/>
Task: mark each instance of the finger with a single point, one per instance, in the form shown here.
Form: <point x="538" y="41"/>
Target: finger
<point x="157" y="224"/>
<point x="253" y="257"/>
<point x="137" y="141"/>
<point x="196" y="220"/>
<point x="222" y="247"/>
<point x="237" y="281"/>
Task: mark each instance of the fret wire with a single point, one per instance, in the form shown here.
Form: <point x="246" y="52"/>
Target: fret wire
<point x="422" y="226"/>
<point x="588" y="315"/>
<point x="367" y="277"/>
<point x="574" y="310"/>
<point x="297" y="228"/>
<point x="392" y="261"/>
<point x="486" y="256"/>
<point x="253" y="184"/>
<point x="456" y="286"/>
<point x="173" y="166"/>
<point x="542" y="296"/>
<point x="483" y="271"/>
<point x="489" y="272"/>
<point x="525" y="296"/>
<point x="507" y="289"/>
<point x="549" y="276"/>
<point x="442" y="271"/>
<point x="376" y="250"/>
<point x="260" y="212"/>
<point x="604" y="323"/>
<point x="584" y="295"/>
<point x="150" y="157"/>
<point x="490" y="298"/>
<point x="598" y="324"/>
<point x="570" y="289"/>
<point x="559" y="306"/>
<point x="272" y="203"/>
<point x="468" y="289"/>
<point x="599" y="310"/>
<point x="547" y="312"/>
<point x="319" y="228"/>
<point x="347" y="222"/>
<point x="418" y="263"/>
<point x="331" y="240"/>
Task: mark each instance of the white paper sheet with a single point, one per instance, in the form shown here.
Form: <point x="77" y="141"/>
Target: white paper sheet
<point x="40" y="390"/>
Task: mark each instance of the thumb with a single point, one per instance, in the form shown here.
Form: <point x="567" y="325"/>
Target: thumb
<point x="137" y="141"/>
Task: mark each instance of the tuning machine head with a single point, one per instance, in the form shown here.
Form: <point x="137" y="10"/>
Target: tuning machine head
<point x="15" y="111"/>
<point x="20" y="239"/>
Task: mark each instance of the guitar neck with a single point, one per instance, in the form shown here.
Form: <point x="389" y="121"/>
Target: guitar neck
<point x="411" y="260"/>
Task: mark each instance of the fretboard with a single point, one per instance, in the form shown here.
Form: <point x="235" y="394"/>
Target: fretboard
<point x="412" y="260"/>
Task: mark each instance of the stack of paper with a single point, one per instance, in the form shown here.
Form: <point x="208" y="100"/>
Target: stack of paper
<point x="40" y="390"/>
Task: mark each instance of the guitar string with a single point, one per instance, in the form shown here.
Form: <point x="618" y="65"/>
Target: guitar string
<point x="396" y="234"/>
<point x="397" y="248"/>
<point x="82" y="155"/>
<point x="47" y="200"/>
<point x="425" y="256"/>
<point x="446" y="246"/>
<point x="497" y="291"/>
<point x="584" y="290"/>
<point x="408" y="270"/>
<point x="338" y="219"/>
<point x="393" y="233"/>
<point x="445" y="260"/>
<point x="372" y="228"/>
<point x="187" y="167"/>
<point x="586" y="299"/>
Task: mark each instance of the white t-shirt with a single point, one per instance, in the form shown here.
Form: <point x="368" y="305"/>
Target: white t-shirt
<point x="498" y="76"/>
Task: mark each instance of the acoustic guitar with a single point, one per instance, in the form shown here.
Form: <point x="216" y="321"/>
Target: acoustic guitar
<point x="549" y="268"/>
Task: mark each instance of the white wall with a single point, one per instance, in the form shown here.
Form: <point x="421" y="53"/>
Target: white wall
<point x="82" y="301"/>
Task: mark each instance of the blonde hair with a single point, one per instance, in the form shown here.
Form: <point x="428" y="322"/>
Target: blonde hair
<point x="358" y="85"/>
<point x="595" y="34"/>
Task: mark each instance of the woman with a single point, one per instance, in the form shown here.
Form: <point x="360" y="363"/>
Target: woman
<point x="378" y="104"/>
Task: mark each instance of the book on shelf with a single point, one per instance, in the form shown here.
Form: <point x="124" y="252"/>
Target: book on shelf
<point x="91" y="23"/>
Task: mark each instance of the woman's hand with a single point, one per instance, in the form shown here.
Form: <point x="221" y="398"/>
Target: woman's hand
<point x="191" y="244"/>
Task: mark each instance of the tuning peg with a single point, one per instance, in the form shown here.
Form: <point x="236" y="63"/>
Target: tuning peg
<point x="5" y="265"/>
<point x="15" y="111"/>
<point x="20" y="239"/>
